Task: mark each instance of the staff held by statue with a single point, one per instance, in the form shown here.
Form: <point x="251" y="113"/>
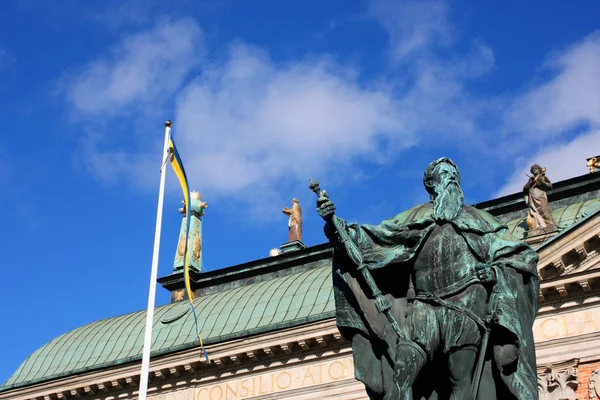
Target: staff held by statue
<point x="383" y="304"/>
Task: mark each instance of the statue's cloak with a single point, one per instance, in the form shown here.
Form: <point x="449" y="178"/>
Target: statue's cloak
<point x="388" y="251"/>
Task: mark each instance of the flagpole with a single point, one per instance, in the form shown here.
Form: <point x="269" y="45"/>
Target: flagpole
<point x="154" y="273"/>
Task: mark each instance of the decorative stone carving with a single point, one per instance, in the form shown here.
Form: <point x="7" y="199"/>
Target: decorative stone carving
<point x="321" y="341"/>
<point x="558" y="383"/>
<point x="562" y="290"/>
<point x="585" y="285"/>
<point x="268" y="351"/>
<point x="559" y="266"/>
<point x="593" y="164"/>
<point x="594" y="385"/>
<point x="303" y="345"/>
<point x="581" y="252"/>
<point x="286" y="348"/>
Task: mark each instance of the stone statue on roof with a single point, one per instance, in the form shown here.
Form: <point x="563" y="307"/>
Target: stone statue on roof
<point x="438" y="302"/>
<point x="539" y="216"/>
<point x="593" y="164"/>
<point x="294" y="221"/>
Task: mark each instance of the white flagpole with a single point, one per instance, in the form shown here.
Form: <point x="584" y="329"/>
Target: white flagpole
<point x="154" y="273"/>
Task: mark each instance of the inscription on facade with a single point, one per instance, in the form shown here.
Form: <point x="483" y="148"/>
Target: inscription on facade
<point x="566" y="325"/>
<point x="278" y="381"/>
<point x="179" y="395"/>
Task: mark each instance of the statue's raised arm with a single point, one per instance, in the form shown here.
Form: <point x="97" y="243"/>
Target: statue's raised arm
<point x="325" y="206"/>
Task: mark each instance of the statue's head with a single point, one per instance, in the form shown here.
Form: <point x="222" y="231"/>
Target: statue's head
<point x="535" y="169"/>
<point x="438" y="172"/>
<point x="442" y="181"/>
<point x="294" y="200"/>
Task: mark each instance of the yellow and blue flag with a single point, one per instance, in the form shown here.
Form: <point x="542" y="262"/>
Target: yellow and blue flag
<point x="177" y="165"/>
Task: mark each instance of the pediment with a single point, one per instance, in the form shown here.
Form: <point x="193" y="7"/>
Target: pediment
<point x="569" y="263"/>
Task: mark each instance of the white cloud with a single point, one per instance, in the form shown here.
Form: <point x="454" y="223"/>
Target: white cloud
<point x="249" y="125"/>
<point x="570" y="98"/>
<point x="254" y="123"/>
<point x="250" y="120"/>
<point x="141" y="71"/>
<point x="414" y="26"/>
<point x="563" y="160"/>
<point x="545" y="115"/>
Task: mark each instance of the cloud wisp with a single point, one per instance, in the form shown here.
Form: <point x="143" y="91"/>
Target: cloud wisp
<point x="246" y="123"/>
<point x="564" y="160"/>
<point x="550" y="116"/>
<point x="250" y="120"/>
<point x="139" y="72"/>
<point x="415" y="28"/>
<point x="571" y="97"/>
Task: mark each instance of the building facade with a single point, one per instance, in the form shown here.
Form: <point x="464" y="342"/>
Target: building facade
<point x="269" y="325"/>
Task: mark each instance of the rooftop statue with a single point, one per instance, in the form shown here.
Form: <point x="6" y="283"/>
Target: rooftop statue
<point x="593" y="164"/>
<point x="437" y="302"/>
<point x="197" y="208"/>
<point x="539" y="216"/>
<point x="295" y="221"/>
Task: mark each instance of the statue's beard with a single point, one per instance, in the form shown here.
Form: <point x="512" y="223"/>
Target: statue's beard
<point x="447" y="202"/>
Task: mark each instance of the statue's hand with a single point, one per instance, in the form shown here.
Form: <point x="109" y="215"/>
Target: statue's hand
<point x="325" y="207"/>
<point x="485" y="273"/>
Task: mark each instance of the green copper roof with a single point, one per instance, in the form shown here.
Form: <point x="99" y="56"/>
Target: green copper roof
<point x="246" y="310"/>
<point x="563" y="216"/>
<point x="264" y="306"/>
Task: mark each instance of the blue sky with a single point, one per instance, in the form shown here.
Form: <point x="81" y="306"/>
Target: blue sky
<point x="263" y="96"/>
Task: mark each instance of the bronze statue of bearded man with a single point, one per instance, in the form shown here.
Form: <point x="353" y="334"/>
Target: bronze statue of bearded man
<point x="463" y="292"/>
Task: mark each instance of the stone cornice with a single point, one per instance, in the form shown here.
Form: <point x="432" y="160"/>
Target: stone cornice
<point x="570" y="239"/>
<point x="568" y="266"/>
<point x="187" y="367"/>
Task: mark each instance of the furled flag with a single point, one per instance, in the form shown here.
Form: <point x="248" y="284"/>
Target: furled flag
<point x="177" y="165"/>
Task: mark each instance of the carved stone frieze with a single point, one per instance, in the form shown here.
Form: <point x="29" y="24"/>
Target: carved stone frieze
<point x="585" y="285"/>
<point x="594" y="385"/>
<point x="559" y="265"/>
<point x="581" y="252"/>
<point x="558" y="382"/>
<point x="562" y="290"/>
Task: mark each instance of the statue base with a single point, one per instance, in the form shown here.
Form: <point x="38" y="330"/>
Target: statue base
<point x="179" y="269"/>
<point x="292" y="246"/>
<point x="541" y="231"/>
<point x="175" y="283"/>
